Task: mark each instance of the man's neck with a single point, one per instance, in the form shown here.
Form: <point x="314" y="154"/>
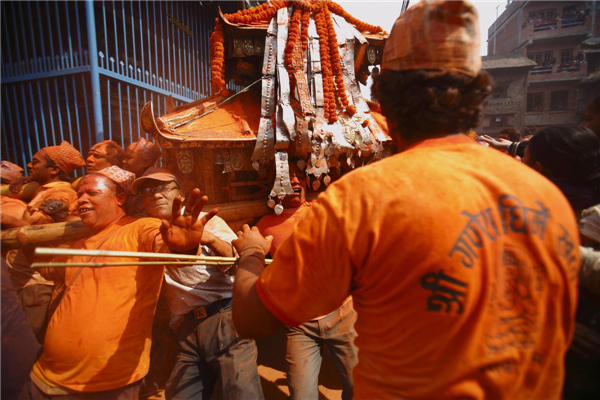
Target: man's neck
<point x="51" y="180"/>
<point x="116" y="219"/>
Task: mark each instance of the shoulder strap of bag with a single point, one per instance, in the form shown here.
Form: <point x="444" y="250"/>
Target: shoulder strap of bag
<point x="81" y="269"/>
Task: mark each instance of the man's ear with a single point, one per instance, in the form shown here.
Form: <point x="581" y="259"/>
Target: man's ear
<point x="538" y="167"/>
<point x="54" y="171"/>
<point x="121" y="199"/>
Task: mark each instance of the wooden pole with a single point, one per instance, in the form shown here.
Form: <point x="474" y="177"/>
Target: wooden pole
<point x="35" y="235"/>
<point x="43" y="235"/>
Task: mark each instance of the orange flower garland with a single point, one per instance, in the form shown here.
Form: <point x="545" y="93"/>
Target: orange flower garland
<point x="359" y="25"/>
<point x="328" y="89"/>
<point x="217" y="57"/>
<point x="293" y="33"/>
<point x="336" y="64"/>
<point x="298" y="29"/>
<point x="304" y="31"/>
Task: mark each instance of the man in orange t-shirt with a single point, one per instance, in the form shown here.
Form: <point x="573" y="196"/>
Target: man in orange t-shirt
<point x="304" y="343"/>
<point x="53" y="201"/>
<point x="98" y="339"/>
<point x="464" y="278"/>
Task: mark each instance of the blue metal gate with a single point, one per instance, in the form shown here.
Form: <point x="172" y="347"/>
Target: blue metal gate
<point x="82" y="71"/>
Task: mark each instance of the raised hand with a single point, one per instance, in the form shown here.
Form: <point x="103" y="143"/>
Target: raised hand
<point x="498" y="144"/>
<point x="251" y="236"/>
<point x="17" y="184"/>
<point x="183" y="233"/>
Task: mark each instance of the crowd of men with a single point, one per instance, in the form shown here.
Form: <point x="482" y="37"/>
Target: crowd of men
<point x="455" y="269"/>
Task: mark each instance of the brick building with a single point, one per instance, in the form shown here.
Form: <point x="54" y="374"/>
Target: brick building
<point x="506" y="105"/>
<point x="552" y="34"/>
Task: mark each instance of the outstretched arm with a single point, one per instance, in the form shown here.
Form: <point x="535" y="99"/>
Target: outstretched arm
<point x="250" y="317"/>
<point x="183" y="233"/>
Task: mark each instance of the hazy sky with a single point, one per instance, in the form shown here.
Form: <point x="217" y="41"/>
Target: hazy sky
<point x="384" y="13"/>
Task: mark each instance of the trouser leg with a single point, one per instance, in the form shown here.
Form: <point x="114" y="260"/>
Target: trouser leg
<point x="339" y="334"/>
<point x="303" y="356"/>
<point x="191" y="378"/>
<point x="234" y="360"/>
<point x="35" y="300"/>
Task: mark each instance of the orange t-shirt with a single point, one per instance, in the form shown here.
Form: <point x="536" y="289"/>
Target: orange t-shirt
<point x="462" y="264"/>
<point x="282" y="226"/>
<point x="13" y="207"/>
<point x="99" y="337"/>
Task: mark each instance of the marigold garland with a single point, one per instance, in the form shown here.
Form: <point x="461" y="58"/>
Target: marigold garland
<point x="298" y="30"/>
<point x="293" y="33"/>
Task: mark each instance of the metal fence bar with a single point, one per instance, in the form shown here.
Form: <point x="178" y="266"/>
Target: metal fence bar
<point x="149" y="44"/>
<point x="49" y="74"/>
<point x="142" y="42"/>
<point x="31" y="36"/>
<point x="34" y="119"/>
<point x="94" y="75"/>
<point x="26" y="121"/>
<point x="5" y="138"/>
<point x="61" y="65"/>
<point x="105" y="32"/>
<point x="41" y="33"/>
<point x="87" y="114"/>
<point x="42" y="114"/>
<point x="133" y="36"/>
<point x="51" y="112"/>
<point x="162" y="44"/>
<point x="60" y="125"/>
<point x="69" y="33"/>
<point x="167" y="83"/>
<point x="18" y="44"/>
<point x="78" y="31"/>
<point x="109" y="113"/>
<point x="155" y="43"/>
<point x="121" y="78"/>
<point x="12" y="129"/>
<point x="124" y="35"/>
<point x="16" y="102"/>
<point x="69" y="125"/>
<point x="116" y="33"/>
<point x="76" y="109"/>
<point x="6" y="38"/>
<point x="120" y="111"/>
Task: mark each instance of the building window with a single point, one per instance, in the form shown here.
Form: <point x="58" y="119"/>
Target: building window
<point x="559" y="100"/>
<point x="500" y="91"/>
<point x="573" y="16"/>
<point x="534" y="102"/>
<point x="497" y="121"/>
<point x="566" y="56"/>
<point x="542" y="58"/>
<point x="544" y="61"/>
<point x="542" y="20"/>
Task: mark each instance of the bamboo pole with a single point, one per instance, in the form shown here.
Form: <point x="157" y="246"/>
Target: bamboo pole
<point x="129" y="264"/>
<point x="180" y="259"/>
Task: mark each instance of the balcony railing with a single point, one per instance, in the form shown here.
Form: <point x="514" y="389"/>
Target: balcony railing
<point x="571" y="20"/>
<point x="545" y="68"/>
<point x="542" y="25"/>
<point x="569" y="66"/>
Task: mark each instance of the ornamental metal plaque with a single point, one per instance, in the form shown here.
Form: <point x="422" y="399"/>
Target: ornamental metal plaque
<point x="248" y="46"/>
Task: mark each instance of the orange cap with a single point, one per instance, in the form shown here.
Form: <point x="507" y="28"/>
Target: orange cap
<point x="437" y="35"/>
<point x="65" y="156"/>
